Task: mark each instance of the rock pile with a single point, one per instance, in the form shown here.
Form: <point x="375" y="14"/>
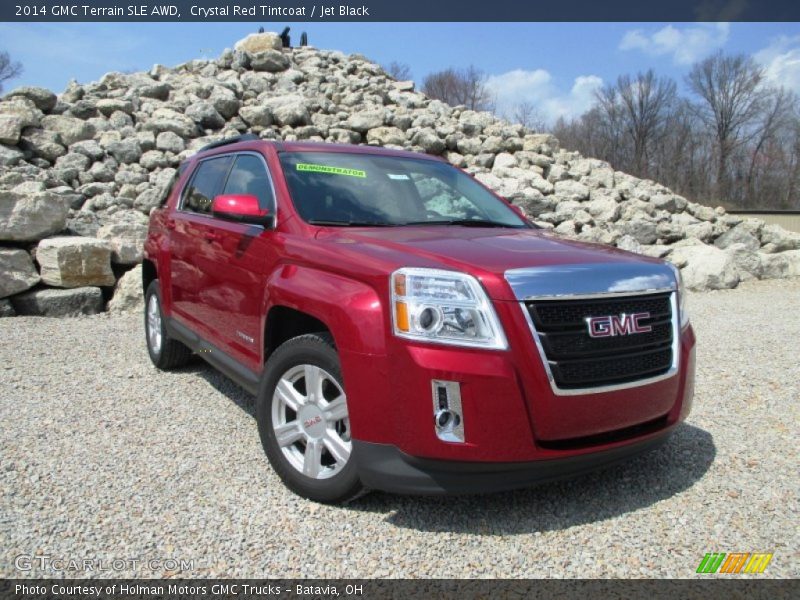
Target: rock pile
<point x="80" y="172"/>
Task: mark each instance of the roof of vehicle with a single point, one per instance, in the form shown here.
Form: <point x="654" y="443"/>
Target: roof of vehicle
<point x="251" y="143"/>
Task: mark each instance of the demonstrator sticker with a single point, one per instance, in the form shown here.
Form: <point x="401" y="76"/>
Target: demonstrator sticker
<point x="312" y="168"/>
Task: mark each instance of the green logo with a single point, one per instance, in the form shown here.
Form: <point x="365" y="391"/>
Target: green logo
<point x="311" y="168"/>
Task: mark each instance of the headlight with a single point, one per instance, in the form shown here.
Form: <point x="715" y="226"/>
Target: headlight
<point x="445" y="307"/>
<point x="682" y="308"/>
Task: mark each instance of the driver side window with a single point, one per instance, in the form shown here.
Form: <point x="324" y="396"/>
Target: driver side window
<point x="249" y="176"/>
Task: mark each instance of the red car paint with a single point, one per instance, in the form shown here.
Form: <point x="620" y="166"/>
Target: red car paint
<point x="220" y="277"/>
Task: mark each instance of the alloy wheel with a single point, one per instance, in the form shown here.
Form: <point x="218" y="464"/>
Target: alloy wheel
<point x="154" y="325"/>
<point x="310" y="420"/>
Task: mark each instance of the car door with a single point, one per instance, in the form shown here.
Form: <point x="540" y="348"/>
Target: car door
<point x="236" y="259"/>
<point x="190" y="234"/>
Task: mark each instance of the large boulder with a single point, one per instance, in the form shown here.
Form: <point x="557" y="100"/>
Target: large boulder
<point x="779" y="266"/>
<point x="641" y="230"/>
<point x="126" y="240"/>
<point x="69" y="129"/>
<point x="738" y="235"/>
<point x="22" y="111"/>
<point x="366" y="120"/>
<point x="59" y="303"/>
<point x="271" y="61"/>
<point x="291" y="110"/>
<point x="10" y="156"/>
<point x="44" y="144"/>
<point x="779" y="239"/>
<point x="128" y="295"/>
<point x="204" y="114"/>
<point x="166" y="119"/>
<point x="256" y="116"/>
<point x="125" y="151"/>
<point x="17" y="272"/>
<point x="429" y="141"/>
<point x="705" y="267"/>
<point x="259" y="42"/>
<point x="571" y="190"/>
<point x="749" y="263"/>
<point x="28" y="217"/>
<point x="70" y="262"/>
<point x="10" y="129"/>
<point x="385" y="136"/>
<point x="42" y="98"/>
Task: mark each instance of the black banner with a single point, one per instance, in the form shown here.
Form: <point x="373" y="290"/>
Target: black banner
<point x="273" y="589"/>
<point x="398" y="10"/>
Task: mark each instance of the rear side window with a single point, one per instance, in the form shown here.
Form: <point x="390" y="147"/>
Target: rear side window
<point x="206" y="184"/>
<point x="249" y="176"/>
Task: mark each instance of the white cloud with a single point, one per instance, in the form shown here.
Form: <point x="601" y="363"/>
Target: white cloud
<point x="685" y="45"/>
<point x="537" y="88"/>
<point x="781" y="62"/>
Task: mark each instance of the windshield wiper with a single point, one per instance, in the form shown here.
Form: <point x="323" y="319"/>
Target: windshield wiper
<point x="350" y="223"/>
<point x="463" y="222"/>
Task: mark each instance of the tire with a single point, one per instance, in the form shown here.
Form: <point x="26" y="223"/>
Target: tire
<point x="165" y="352"/>
<point x="306" y="437"/>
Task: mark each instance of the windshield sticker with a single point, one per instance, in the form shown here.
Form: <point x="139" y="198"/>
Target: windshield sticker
<point x="399" y="176"/>
<point x="312" y="168"/>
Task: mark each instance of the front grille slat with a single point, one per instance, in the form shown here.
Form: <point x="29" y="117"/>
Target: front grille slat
<point x="578" y="360"/>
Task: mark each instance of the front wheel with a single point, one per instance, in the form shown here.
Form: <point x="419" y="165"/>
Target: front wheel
<point x="165" y="352"/>
<point x="304" y="423"/>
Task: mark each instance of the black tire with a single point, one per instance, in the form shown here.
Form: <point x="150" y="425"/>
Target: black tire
<point x="170" y="353"/>
<point x="316" y="350"/>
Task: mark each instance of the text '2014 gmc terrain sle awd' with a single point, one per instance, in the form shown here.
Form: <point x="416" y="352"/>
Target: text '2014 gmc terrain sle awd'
<point x="404" y="328"/>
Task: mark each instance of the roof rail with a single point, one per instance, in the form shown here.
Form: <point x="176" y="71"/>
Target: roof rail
<point x="246" y="137"/>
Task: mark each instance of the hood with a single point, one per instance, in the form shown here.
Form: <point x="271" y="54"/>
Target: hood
<point x="467" y="248"/>
<point x="486" y="253"/>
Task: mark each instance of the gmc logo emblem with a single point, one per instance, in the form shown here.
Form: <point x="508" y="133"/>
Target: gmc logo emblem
<point x="612" y="325"/>
<point x="312" y="421"/>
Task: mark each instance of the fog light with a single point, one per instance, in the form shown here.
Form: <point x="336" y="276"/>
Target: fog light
<point x="447" y="416"/>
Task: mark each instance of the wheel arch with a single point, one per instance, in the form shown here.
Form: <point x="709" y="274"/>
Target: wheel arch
<point x="149" y="274"/>
<point x="306" y="300"/>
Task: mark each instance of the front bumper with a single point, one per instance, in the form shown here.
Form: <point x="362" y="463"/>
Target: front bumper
<point x="385" y="467"/>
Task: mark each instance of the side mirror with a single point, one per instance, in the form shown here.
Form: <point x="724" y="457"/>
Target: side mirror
<point x="241" y="208"/>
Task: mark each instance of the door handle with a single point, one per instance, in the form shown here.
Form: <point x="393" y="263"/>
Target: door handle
<point x="170" y="224"/>
<point x="212" y="236"/>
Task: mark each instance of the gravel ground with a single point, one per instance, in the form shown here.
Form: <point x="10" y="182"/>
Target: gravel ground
<point x="103" y="457"/>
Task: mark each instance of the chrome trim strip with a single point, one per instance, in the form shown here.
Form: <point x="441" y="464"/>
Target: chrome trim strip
<point x="581" y="281"/>
<point x="599" y="281"/>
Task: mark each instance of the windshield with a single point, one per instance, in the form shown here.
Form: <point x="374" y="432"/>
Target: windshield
<point x="361" y="189"/>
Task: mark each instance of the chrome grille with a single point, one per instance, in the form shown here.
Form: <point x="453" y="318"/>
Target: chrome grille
<point x="577" y="361"/>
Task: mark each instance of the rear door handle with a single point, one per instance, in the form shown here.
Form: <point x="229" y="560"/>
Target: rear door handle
<point x="212" y="236"/>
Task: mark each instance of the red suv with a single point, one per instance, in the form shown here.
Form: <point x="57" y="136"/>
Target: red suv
<point x="406" y="329"/>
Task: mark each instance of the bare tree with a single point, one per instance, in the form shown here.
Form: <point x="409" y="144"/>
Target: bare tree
<point x="400" y="71"/>
<point x="776" y="115"/>
<point x="731" y="100"/>
<point x="640" y="125"/>
<point x="459" y="86"/>
<point x="526" y="114"/>
<point x="9" y="69"/>
<point x="641" y="105"/>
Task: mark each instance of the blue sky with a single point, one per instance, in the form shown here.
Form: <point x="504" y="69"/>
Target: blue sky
<point x="556" y="66"/>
